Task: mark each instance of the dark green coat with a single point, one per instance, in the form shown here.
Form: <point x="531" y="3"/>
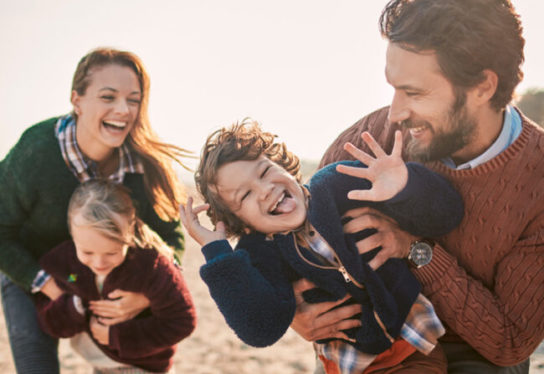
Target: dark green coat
<point x="35" y="188"/>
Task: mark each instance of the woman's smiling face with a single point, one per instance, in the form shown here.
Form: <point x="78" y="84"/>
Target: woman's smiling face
<point x="108" y="109"/>
<point x="262" y="194"/>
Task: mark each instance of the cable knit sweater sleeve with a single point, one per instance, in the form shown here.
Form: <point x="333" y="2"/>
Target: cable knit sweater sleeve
<point x="256" y="301"/>
<point x="485" y="280"/>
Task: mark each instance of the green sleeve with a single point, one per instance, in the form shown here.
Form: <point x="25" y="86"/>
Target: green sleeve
<point x="17" y="195"/>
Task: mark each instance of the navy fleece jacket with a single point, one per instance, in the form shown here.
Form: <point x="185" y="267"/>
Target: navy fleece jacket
<point x="252" y="284"/>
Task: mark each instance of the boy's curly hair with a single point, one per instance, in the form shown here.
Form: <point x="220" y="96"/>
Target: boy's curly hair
<point x="244" y="141"/>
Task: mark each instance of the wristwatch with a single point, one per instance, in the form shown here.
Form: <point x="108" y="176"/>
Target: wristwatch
<point x="421" y="253"/>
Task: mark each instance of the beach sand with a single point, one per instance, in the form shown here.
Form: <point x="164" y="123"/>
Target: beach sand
<point x="213" y="348"/>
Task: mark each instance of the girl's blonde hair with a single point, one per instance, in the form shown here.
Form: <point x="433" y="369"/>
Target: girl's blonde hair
<point x="102" y="205"/>
<point x="161" y="183"/>
<point x="243" y="141"/>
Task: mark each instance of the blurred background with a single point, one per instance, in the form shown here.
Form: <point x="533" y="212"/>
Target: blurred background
<point x="305" y="69"/>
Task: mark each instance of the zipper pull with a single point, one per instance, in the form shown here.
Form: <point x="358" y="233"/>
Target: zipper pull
<point x="344" y="272"/>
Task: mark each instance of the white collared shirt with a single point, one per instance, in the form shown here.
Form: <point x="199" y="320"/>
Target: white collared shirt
<point x="511" y="128"/>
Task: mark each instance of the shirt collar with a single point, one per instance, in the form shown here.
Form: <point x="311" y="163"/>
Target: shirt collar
<point x="83" y="167"/>
<point x="511" y="128"/>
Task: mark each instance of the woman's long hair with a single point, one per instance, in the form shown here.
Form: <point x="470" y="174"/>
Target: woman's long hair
<point x="160" y="181"/>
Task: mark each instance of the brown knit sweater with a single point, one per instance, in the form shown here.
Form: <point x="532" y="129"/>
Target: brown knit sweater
<point x="486" y="279"/>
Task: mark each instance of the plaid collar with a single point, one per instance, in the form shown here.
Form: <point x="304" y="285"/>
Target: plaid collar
<point x="83" y="167"/>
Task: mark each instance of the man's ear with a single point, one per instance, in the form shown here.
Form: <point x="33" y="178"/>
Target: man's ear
<point x="484" y="91"/>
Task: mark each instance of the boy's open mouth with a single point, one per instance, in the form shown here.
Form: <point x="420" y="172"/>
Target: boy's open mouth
<point x="285" y="204"/>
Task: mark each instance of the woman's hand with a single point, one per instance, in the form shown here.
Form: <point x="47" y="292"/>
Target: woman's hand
<point x="50" y="289"/>
<point x="124" y="305"/>
<point x="317" y="321"/>
<point x="387" y="173"/>
<point x="99" y="331"/>
<point x="189" y="218"/>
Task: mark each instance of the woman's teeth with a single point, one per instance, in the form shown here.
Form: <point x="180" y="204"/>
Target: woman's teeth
<point x="116" y="124"/>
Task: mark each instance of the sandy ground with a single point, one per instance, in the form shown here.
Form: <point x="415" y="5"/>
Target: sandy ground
<point x="213" y="348"/>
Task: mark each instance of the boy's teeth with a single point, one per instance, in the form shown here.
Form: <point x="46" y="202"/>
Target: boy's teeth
<point x="282" y="196"/>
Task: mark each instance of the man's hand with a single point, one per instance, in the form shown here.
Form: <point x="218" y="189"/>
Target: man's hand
<point x="394" y="241"/>
<point x="318" y="321"/>
<point x="189" y="218"/>
<point x="99" y="331"/>
<point x="124" y="305"/>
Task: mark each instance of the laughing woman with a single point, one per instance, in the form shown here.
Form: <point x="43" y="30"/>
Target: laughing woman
<point x="107" y="135"/>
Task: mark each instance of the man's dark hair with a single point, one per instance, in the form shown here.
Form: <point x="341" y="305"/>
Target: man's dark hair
<point x="468" y="37"/>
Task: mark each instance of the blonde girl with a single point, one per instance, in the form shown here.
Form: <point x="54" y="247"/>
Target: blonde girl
<point x="111" y="249"/>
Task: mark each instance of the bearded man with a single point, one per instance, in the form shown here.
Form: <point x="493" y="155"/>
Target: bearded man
<point x="454" y="65"/>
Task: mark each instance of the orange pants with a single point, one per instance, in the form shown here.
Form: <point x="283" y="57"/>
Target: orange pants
<point x="412" y="363"/>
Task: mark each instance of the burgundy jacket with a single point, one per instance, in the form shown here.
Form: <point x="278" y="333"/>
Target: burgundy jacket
<point x="147" y="341"/>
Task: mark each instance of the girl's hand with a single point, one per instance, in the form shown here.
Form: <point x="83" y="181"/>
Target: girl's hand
<point x="189" y="218"/>
<point x="99" y="331"/>
<point x="124" y="305"/>
<point x="387" y="173"/>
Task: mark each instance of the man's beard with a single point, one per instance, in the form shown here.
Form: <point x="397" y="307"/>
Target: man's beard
<point x="445" y="142"/>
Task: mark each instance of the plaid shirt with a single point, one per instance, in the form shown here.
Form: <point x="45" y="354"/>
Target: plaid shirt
<point x="85" y="169"/>
<point x="421" y="329"/>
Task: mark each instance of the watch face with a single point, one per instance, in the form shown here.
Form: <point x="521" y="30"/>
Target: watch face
<point x="421" y="253"/>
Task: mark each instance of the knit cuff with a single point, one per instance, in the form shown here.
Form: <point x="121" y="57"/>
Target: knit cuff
<point x="215" y="249"/>
<point x="436" y="269"/>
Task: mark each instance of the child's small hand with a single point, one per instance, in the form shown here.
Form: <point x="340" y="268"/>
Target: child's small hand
<point x="189" y="218"/>
<point x="100" y="332"/>
<point x="387" y="173"/>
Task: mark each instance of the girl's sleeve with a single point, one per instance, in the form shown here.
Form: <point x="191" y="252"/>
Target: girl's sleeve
<point x="253" y="293"/>
<point x="60" y="318"/>
<point x="172" y="319"/>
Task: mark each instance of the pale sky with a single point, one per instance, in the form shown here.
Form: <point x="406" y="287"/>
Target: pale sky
<point x="305" y="69"/>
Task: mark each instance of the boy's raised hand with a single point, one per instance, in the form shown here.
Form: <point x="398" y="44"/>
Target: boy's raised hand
<point x="387" y="173"/>
<point x="189" y="218"/>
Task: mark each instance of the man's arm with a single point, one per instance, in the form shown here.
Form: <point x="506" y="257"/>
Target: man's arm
<point x="503" y="323"/>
